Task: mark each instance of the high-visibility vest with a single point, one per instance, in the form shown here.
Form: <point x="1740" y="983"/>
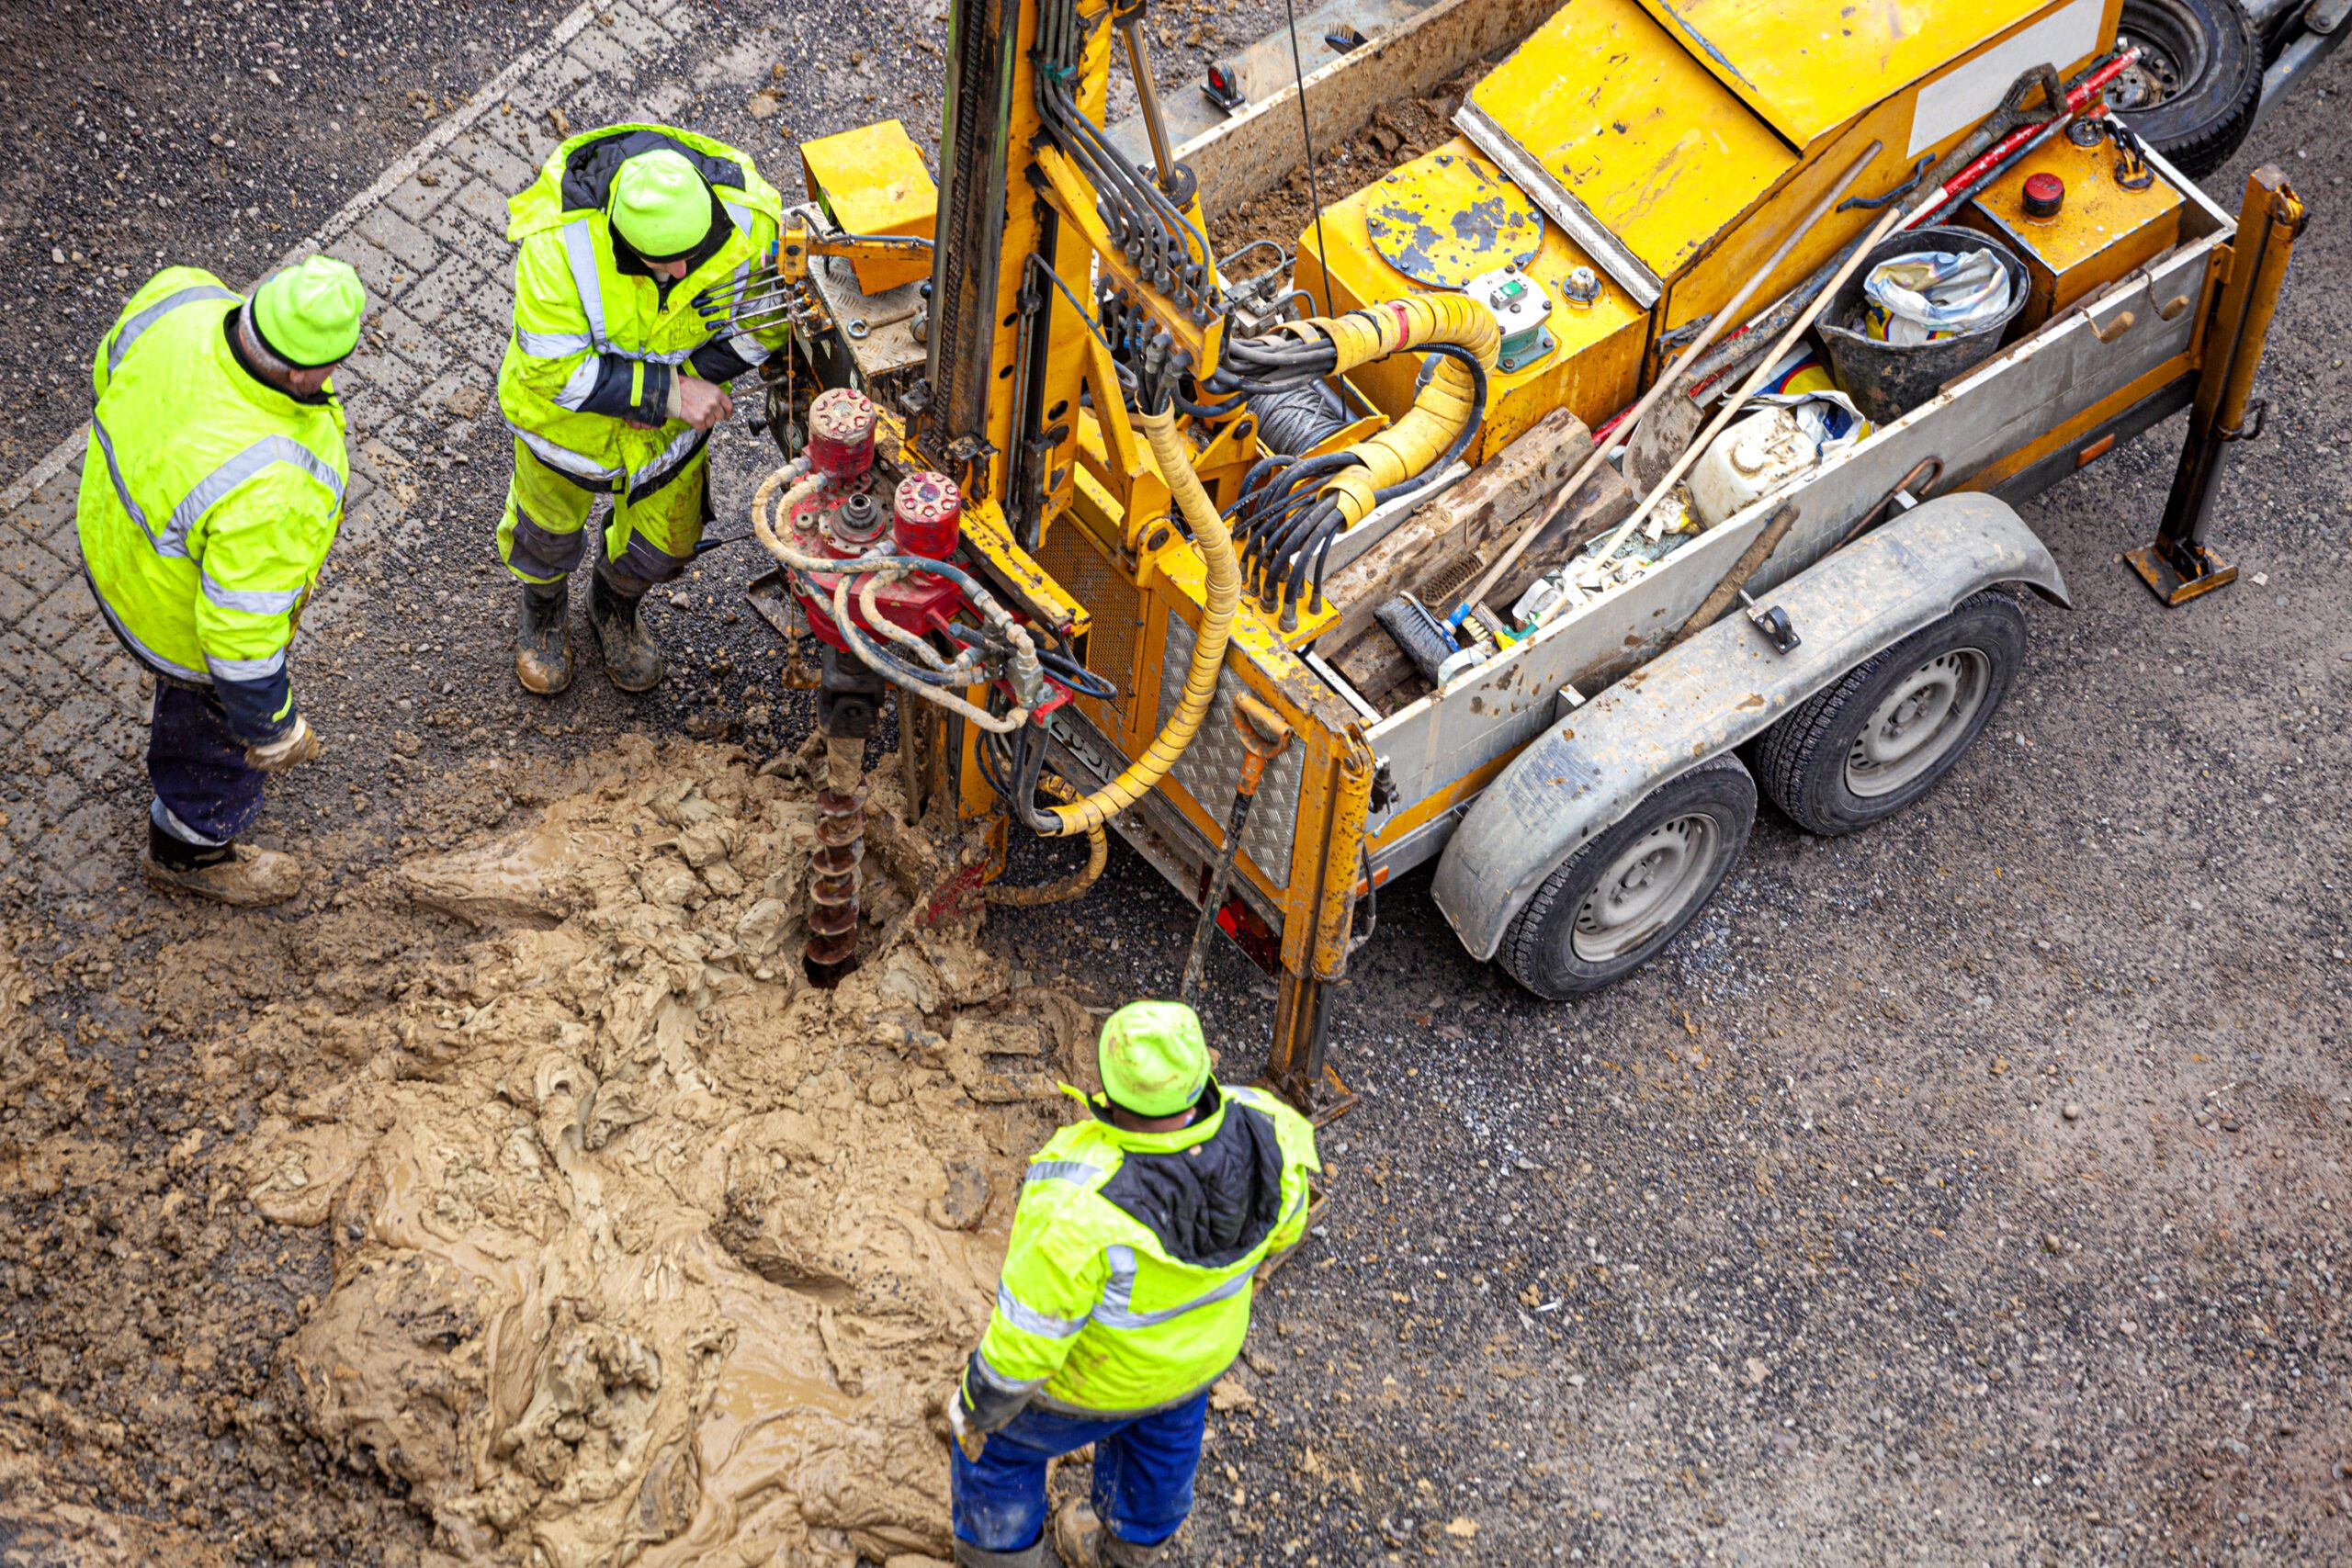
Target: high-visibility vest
<point x="209" y="498"/>
<point x="1093" y="1312"/>
<point x="573" y="306"/>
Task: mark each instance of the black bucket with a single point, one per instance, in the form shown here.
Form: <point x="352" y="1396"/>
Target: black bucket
<point x="1888" y="380"/>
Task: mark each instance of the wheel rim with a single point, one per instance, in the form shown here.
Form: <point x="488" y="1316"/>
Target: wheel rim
<point x="2172" y="55"/>
<point x="1920" y="724"/>
<point x="1657" y="877"/>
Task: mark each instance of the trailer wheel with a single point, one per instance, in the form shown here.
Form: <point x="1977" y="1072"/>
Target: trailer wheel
<point x="1612" y="905"/>
<point x="1894" y="723"/>
<point x="2194" y="91"/>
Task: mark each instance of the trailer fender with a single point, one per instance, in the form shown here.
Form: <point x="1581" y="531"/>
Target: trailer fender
<point x="1718" y="689"/>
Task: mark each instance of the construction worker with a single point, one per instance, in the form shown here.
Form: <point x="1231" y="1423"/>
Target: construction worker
<point x="1126" y="1294"/>
<point x="613" y="378"/>
<point x="212" y="489"/>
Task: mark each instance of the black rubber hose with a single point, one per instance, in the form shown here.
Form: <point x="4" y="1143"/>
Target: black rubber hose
<point x="1321" y="547"/>
<point x="1274" y="519"/>
<point x="1076" y="676"/>
<point x="1298" y="419"/>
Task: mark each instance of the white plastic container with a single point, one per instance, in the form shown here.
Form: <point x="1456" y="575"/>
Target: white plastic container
<point x="1755" y="454"/>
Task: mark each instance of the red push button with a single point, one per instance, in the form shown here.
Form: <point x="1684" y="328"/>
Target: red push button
<point x="2043" y="194"/>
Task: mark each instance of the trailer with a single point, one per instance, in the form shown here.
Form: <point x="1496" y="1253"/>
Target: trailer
<point x="1143" y="632"/>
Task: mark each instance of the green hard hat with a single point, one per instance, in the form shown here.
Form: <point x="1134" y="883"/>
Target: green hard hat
<point x="308" y="313"/>
<point x="1153" y="1058"/>
<point x="660" y="204"/>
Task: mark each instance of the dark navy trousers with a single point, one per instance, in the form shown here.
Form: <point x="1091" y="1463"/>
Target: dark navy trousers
<point x="204" y="793"/>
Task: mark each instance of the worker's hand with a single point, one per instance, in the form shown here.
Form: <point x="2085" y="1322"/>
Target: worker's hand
<point x="969" y="1438"/>
<point x="703" y="403"/>
<point x="298" y="745"/>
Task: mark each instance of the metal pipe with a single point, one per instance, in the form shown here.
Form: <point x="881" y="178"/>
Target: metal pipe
<point x="1148" y="97"/>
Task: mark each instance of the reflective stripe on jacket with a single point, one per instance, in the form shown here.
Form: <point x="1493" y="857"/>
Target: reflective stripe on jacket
<point x="596" y="346"/>
<point x="209" y="498"/>
<point x="1126" y="1283"/>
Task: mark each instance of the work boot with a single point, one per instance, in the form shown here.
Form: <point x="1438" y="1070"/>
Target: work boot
<point x="970" y="1556"/>
<point x="543" y="637"/>
<point x="226" y="873"/>
<point x="1080" y="1541"/>
<point x="631" y="657"/>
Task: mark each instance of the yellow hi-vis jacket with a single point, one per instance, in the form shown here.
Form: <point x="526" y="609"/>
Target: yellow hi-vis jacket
<point x="597" y="339"/>
<point x="1126" y="1283"/>
<point x="209" y="499"/>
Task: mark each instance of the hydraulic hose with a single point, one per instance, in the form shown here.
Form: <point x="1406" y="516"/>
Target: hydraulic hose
<point x="1443" y="409"/>
<point x="1222" y="597"/>
<point x="1062" y="889"/>
<point x="1290" y="510"/>
<point x="1026" y="674"/>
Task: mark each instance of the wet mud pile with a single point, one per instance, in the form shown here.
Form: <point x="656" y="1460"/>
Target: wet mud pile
<point x="644" y="1250"/>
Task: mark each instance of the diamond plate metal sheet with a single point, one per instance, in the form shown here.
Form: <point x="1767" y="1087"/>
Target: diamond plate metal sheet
<point x="1210" y="769"/>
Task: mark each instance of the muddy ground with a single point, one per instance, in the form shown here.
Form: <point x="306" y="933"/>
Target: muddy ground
<point x="1971" y="1190"/>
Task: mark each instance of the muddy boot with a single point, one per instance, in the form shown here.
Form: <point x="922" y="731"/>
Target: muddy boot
<point x="970" y="1556"/>
<point x="228" y="873"/>
<point x="1080" y="1541"/>
<point x="631" y="657"/>
<point x="543" y="637"/>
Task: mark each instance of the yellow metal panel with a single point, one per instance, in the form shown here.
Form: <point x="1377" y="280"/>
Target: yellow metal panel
<point x="873" y="182"/>
<point x="1446" y="218"/>
<point x="1593" y="372"/>
<point x="1808" y="66"/>
<point x="985" y="533"/>
<point x="1748" y="242"/>
<point x="1903" y="123"/>
<point x="1635" y="129"/>
<point x="2101" y="230"/>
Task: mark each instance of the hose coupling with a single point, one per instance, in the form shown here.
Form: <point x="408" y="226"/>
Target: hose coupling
<point x="1028" y="675"/>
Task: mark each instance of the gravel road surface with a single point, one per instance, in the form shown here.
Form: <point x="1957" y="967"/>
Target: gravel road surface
<point x="1971" y="1189"/>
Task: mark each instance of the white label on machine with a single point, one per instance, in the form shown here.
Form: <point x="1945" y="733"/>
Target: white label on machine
<point x="1967" y="93"/>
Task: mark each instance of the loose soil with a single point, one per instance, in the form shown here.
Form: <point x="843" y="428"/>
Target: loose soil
<point x="630" y="1245"/>
<point x="1398" y="133"/>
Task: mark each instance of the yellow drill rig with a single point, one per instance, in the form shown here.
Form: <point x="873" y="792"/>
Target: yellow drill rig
<point x="1299" y="603"/>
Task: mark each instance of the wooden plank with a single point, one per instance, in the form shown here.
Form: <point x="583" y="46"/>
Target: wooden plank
<point x="1496" y="493"/>
<point x="1601" y="503"/>
<point x="1255" y="149"/>
<point x="1378" y="669"/>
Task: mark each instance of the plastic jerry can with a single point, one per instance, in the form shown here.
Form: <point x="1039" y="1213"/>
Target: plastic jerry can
<point x="1749" y="459"/>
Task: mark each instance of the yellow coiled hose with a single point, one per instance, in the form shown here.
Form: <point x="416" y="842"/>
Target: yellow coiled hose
<point x="1224" y="597"/>
<point x="1442" y="409"/>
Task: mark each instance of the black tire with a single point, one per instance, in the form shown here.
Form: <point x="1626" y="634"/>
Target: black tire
<point x="2193" y="95"/>
<point x="1814" y="764"/>
<point x="1542" y="949"/>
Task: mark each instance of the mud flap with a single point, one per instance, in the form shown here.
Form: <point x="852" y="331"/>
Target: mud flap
<point x="1720" y="689"/>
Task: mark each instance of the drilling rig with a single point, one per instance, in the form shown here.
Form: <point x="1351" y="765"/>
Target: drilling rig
<point x="1065" y="546"/>
<point x="1137" y="544"/>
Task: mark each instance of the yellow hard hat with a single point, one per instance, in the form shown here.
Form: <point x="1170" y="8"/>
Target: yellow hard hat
<point x="660" y="204"/>
<point x="309" y="314"/>
<point x="1154" y="1060"/>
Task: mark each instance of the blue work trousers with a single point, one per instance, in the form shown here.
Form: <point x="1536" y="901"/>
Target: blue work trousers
<point x="198" y="766"/>
<point x="1143" y="1475"/>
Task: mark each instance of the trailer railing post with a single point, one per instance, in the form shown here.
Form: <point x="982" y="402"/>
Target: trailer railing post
<point x="2179" y="566"/>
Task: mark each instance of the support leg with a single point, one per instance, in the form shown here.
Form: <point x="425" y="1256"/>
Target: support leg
<point x="1295" y="1067"/>
<point x="2179" y="566"/>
